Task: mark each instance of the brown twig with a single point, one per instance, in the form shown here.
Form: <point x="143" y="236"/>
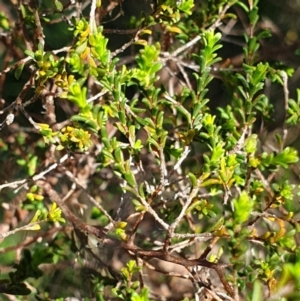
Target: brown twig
<point x="130" y="248"/>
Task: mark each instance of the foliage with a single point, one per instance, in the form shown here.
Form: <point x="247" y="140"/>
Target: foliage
<point x="170" y="182"/>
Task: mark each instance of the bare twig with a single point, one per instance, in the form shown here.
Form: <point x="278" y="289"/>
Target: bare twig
<point x="50" y="233"/>
<point x="126" y="45"/>
<point x="93" y="25"/>
<point x="99" y="232"/>
<point x="188" y="202"/>
<point x="39" y="28"/>
<point x="162" y="166"/>
<point x="240" y="143"/>
<point x="214" y="295"/>
<point x="28" y="227"/>
<point x="37" y="176"/>
<point x="149" y="209"/>
<point x="16" y="65"/>
<point x="97" y="96"/>
<point x="171" y="274"/>
<point x="198" y="38"/>
<point x="90" y="198"/>
<point x="187" y="243"/>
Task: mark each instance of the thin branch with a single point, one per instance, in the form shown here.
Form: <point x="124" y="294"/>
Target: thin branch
<point x="265" y="183"/>
<point x="198" y="38"/>
<point x="99" y="232"/>
<point x="16" y="65"/>
<point x="185" y="76"/>
<point x="162" y="167"/>
<point x="188" y="202"/>
<point x="93" y="25"/>
<point x="182" y="158"/>
<point x="240" y="143"/>
<point x="126" y="45"/>
<point x="150" y="210"/>
<point x="171" y="274"/>
<point x="200" y="236"/>
<point x="28" y="227"/>
<point x="187" y="243"/>
<point x="37" y="176"/>
<point x="226" y="285"/>
<point x="39" y="28"/>
<point x="50" y="233"/>
<point x="29" y="118"/>
<point x="7" y="121"/>
<point x="214" y="295"/>
<point x="97" y="96"/>
<point x="186" y="46"/>
<point x="90" y="198"/>
<point x="209" y="248"/>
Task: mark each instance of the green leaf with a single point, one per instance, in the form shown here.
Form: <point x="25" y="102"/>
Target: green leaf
<point x="36" y="217"/>
<point x="59" y="6"/>
<point x="286" y="157"/>
<point x="130" y="179"/>
<point x="119" y="155"/>
<point x="257" y="294"/>
<point x="251" y="144"/>
<point x="193" y="179"/>
<point x="217" y="153"/>
<point x="242" y="208"/>
<point x="19" y="70"/>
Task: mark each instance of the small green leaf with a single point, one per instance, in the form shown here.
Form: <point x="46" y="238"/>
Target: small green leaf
<point x="36" y="217"/>
<point x="19" y="70"/>
<point x="242" y="207"/>
<point x="251" y="144"/>
<point x="119" y="155"/>
<point x="59" y="6"/>
<point x="193" y="179"/>
<point x="130" y="179"/>
<point x="217" y="225"/>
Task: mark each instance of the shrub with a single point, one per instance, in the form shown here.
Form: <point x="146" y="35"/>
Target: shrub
<point x="149" y="156"/>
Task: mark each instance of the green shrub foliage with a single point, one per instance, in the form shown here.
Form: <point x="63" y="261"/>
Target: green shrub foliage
<point x="136" y="153"/>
